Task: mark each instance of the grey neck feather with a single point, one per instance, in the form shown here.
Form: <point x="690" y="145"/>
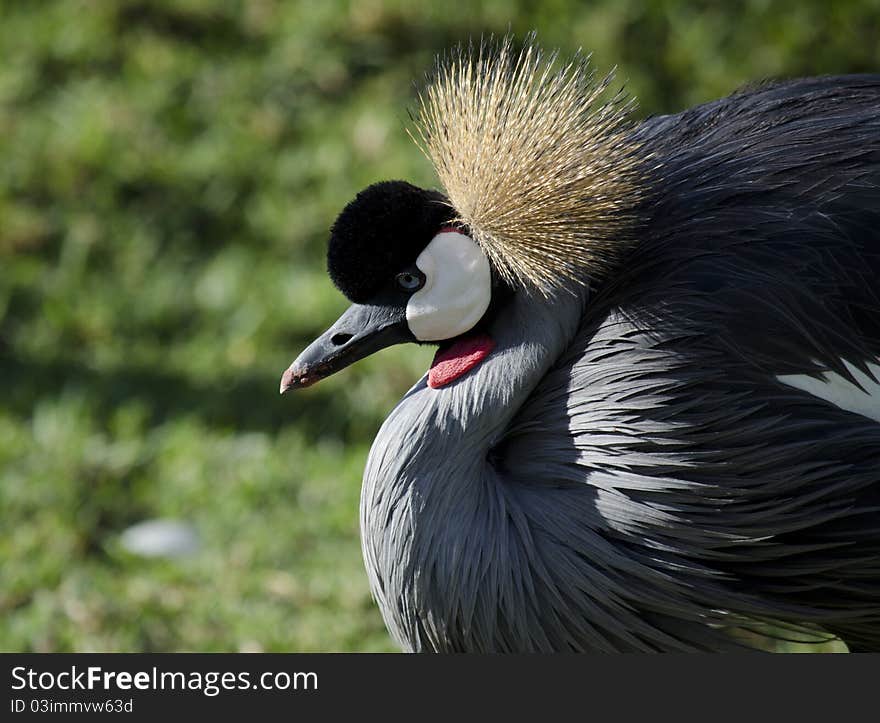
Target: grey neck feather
<point x="433" y="507"/>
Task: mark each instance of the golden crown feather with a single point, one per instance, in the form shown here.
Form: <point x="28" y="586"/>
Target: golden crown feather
<point x="536" y="161"/>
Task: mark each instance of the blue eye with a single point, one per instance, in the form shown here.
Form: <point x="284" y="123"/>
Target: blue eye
<point x="410" y="281"/>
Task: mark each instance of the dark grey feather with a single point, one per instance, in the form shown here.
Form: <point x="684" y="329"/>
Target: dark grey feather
<point x="626" y="472"/>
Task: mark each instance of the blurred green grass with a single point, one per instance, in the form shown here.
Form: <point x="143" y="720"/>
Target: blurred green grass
<point x="169" y="171"/>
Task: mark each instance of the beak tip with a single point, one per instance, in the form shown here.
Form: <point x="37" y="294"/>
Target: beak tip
<point x="297" y="377"/>
<point x="288" y="379"/>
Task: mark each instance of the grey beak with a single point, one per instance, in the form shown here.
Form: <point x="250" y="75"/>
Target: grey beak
<point x="362" y="330"/>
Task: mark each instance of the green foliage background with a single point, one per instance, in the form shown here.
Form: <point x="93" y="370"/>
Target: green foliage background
<point x="168" y="172"/>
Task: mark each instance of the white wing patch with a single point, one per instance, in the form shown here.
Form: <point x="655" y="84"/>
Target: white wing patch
<point x="839" y="391"/>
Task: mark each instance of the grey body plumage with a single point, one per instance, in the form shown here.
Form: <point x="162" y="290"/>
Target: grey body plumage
<point x="626" y="471"/>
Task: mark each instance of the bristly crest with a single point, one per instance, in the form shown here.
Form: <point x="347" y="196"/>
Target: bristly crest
<point x="541" y="171"/>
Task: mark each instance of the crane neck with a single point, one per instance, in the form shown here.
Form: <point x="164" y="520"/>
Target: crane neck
<point x="466" y="418"/>
<point x="430" y="486"/>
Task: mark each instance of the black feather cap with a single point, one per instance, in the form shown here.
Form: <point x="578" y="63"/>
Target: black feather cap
<point x="381" y="232"/>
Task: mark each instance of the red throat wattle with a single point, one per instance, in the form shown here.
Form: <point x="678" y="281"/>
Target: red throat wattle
<point x="458" y="359"/>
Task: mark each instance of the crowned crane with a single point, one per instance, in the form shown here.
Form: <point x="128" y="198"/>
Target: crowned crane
<point x="653" y="418"/>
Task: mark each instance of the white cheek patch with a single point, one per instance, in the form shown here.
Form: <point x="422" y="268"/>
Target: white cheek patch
<point x="457" y="290"/>
<point x="841" y="392"/>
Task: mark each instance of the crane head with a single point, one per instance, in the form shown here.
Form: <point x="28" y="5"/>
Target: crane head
<point x="411" y="276"/>
<point x="541" y="179"/>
